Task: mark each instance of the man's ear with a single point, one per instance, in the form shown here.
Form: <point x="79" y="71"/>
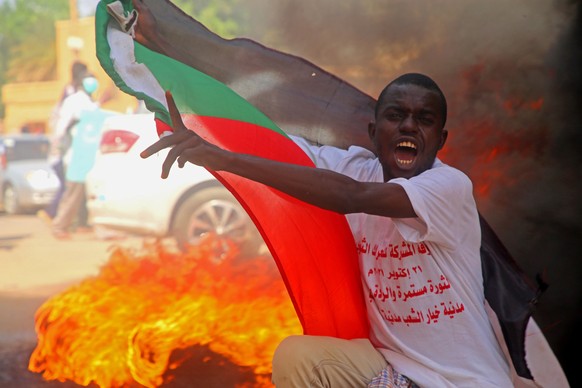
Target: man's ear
<point x="444" y="135"/>
<point x="372" y="136"/>
<point x="372" y="131"/>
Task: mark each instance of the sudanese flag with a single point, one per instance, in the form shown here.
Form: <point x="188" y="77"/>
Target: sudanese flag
<point x="313" y="248"/>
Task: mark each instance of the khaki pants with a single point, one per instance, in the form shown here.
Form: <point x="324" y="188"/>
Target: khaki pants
<point x="69" y="205"/>
<point x="313" y="361"/>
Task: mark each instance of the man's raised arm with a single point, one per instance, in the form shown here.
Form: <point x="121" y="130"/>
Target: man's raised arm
<point x="323" y="188"/>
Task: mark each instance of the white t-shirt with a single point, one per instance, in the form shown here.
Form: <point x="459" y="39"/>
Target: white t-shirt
<point x="422" y="276"/>
<point x="70" y="111"/>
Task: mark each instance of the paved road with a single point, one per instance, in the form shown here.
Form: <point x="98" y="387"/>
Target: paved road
<point x="33" y="263"/>
<point x="33" y="267"/>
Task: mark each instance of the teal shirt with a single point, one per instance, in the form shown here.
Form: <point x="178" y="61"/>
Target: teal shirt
<point x="86" y="143"/>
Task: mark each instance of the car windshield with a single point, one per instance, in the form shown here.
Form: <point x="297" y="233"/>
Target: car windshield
<point x="31" y="149"/>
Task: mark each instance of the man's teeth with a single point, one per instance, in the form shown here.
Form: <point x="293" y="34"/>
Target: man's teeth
<point x="406" y="144"/>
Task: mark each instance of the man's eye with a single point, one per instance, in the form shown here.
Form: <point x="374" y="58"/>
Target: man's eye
<point x="426" y="120"/>
<point x="394" y="116"/>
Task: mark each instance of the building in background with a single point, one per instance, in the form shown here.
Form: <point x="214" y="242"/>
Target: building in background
<point x="29" y="104"/>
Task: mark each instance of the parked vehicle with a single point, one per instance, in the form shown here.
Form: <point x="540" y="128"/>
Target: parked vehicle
<point x="27" y="179"/>
<point x="126" y="192"/>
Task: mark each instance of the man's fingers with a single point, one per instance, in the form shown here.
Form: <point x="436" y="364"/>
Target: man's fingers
<point x="183" y="159"/>
<point x="159" y="145"/>
<point x="166" y="142"/>
<point x="168" y="162"/>
<point x="176" y="153"/>
<point x="177" y="122"/>
<point x="180" y="140"/>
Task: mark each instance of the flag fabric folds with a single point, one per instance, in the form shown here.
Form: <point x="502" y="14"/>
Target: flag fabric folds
<point x="300" y="97"/>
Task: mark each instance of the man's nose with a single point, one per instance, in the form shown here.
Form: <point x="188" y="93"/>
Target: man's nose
<point x="409" y="124"/>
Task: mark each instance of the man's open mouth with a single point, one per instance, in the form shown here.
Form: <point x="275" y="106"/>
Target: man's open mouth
<point x="405" y="153"/>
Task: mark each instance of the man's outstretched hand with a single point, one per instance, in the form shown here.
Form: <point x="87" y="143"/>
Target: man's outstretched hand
<point x="186" y="145"/>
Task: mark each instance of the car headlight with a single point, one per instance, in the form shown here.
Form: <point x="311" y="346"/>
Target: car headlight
<point x="42" y="179"/>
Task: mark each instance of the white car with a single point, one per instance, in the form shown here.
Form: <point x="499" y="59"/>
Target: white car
<point x="126" y="192"/>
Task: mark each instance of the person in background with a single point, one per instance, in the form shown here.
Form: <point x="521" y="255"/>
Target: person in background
<point x="61" y="138"/>
<point x="72" y="206"/>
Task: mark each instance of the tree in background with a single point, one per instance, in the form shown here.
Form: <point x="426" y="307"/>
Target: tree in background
<point x="223" y="17"/>
<point x="27" y="32"/>
<point x="27" y="40"/>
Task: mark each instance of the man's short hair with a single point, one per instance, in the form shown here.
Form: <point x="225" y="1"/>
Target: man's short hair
<point x="417" y="79"/>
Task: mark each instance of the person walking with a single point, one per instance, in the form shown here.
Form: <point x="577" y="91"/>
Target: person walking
<point x="61" y="137"/>
<point x="72" y="204"/>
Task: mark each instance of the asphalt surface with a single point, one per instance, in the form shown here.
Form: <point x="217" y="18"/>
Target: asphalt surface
<point x="34" y="263"/>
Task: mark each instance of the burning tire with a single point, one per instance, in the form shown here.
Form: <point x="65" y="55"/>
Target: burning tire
<point x="214" y="210"/>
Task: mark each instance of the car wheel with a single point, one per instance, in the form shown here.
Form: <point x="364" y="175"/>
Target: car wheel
<point x="215" y="210"/>
<point x="10" y="201"/>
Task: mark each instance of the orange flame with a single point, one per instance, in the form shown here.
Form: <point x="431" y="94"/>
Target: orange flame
<point x="122" y="326"/>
